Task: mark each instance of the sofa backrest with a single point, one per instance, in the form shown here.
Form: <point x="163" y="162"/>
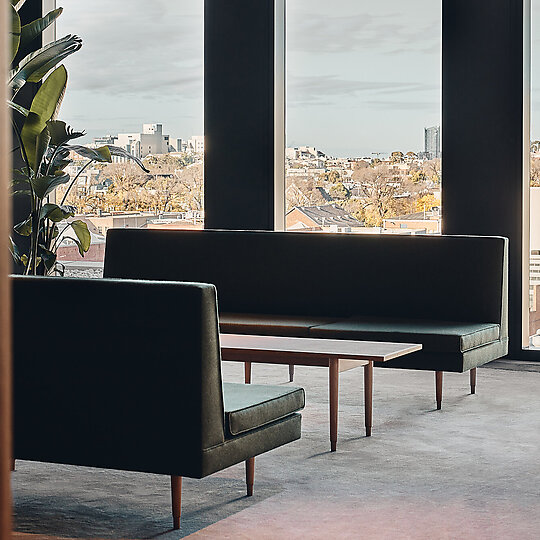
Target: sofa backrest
<point x="460" y="278"/>
<point x="116" y="373"/>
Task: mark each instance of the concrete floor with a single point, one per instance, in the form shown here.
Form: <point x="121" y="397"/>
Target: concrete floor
<point x="471" y="470"/>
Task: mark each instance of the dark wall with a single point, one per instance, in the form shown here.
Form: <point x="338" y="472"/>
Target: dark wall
<point x="239" y="114"/>
<point x="482" y="122"/>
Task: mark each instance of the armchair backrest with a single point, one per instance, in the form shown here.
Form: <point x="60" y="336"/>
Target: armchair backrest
<point x="116" y="373"/>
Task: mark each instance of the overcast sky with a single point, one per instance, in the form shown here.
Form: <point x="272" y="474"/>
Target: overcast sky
<point x="363" y="76"/>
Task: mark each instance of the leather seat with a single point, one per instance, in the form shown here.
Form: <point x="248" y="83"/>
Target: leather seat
<point x="435" y="336"/>
<point x="252" y="406"/>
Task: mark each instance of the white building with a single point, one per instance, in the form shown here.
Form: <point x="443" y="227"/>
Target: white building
<point x="196" y="144"/>
<point x="150" y="141"/>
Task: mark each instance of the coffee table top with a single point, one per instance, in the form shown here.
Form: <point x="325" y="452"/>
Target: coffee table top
<point x="236" y="346"/>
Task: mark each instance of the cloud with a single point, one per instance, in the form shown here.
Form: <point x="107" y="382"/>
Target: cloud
<point x="312" y="32"/>
<point x="154" y="49"/>
<point x="326" y="89"/>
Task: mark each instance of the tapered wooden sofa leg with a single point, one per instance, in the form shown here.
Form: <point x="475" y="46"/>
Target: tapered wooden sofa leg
<point x="176" y="497"/>
<point x="473" y="380"/>
<point x="438" y="388"/>
<point x="12" y="464"/>
<point x="250" y="475"/>
<point x="291" y="372"/>
<point x="247" y="372"/>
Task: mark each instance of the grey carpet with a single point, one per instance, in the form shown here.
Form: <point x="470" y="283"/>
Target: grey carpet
<point x="480" y="452"/>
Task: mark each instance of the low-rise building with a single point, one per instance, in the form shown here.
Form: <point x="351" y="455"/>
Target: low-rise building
<point x="328" y="218"/>
<point x="419" y="222"/>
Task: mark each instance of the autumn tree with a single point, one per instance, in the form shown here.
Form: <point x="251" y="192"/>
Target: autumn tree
<point x="432" y="169"/>
<point x="419" y="177"/>
<point x="339" y="191"/>
<point x="383" y="196"/>
<point x="191" y="186"/>
<point x="427" y="202"/>
<point x="304" y="191"/>
<point x="535" y="172"/>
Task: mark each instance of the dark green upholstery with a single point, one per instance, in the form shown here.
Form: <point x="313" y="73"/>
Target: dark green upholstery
<point x="132" y="381"/>
<point x="449" y="293"/>
<point x="250" y="406"/>
<point x="435" y="336"/>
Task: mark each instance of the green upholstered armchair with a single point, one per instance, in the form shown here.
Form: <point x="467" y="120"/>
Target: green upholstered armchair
<point x="132" y="381"/>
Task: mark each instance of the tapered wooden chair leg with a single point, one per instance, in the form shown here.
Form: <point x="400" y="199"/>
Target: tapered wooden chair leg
<point x="438" y="388"/>
<point x="334" y="400"/>
<point x="473" y="380"/>
<point x="291" y="372"/>
<point x="247" y="372"/>
<point x="250" y="475"/>
<point x="176" y="497"/>
<point x="368" y="397"/>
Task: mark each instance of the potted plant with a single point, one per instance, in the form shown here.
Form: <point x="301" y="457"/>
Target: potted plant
<point x="45" y="144"/>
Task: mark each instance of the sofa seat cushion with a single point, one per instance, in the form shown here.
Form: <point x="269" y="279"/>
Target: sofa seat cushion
<point x="251" y="406"/>
<point x="435" y="336"/>
<point x="270" y="325"/>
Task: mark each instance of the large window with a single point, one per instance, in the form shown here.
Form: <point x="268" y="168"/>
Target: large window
<point x="534" y="191"/>
<point x="363" y="116"/>
<point x="137" y="84"/>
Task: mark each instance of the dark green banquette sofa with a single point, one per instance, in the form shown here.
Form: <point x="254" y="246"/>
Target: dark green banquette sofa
<point x="132" y="381"/>
<point x="448" y="293"/>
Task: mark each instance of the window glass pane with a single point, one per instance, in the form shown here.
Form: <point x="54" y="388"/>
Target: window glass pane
<point x="534" y="260"/>
<point x="363" y="115"/>
<point x="137" y="83"/>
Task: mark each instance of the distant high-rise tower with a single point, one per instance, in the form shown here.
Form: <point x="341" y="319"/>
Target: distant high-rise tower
<point x="432" y="142"/>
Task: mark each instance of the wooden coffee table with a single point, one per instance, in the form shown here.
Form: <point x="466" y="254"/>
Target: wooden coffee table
<point x="336" y="354"/>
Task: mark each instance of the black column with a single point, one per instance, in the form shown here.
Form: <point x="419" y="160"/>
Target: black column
<point x="239" y="114"/>
<point x="483" y="129"/>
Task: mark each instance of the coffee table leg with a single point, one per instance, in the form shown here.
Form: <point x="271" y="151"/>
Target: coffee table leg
<point x="334" y="393"/>
<point x="247" y="372"/>
<point x="368" y="396"/>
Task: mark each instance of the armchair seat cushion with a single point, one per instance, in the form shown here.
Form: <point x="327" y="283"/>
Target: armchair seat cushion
<point x="251" y="406"/>
<point x="435" y="336"/>
<point x="261" y="324"/>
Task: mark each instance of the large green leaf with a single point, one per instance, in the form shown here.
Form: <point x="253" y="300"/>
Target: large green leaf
<point x="48" y="257"/>
<point x="44" y="106"/>
<point x="120" y="152"/>
<point x="42" y="143"/>
<point x="57" y="213"/>
<point x="24" y="228"/>
<point x="17" y="107"/>
<point x="37" y="64"/>
<point x="61" y="133"/>
<point x="14" y="250"/>
<point x="43" y="185"/>
<point x="20" y="177"/>
<point x="83" y="234"/>
<point x="31" y="31"/>
<point x="101" y="154"/>
<point x="15" y="33"/>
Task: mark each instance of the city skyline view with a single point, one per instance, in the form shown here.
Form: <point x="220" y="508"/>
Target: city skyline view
<point x="358" y="81"/>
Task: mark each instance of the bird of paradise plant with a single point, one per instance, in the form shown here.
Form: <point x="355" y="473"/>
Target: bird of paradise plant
<point x="44" y="144"/>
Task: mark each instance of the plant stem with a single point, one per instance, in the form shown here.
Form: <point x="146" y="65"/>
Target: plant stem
<point x="74" y="180"/>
